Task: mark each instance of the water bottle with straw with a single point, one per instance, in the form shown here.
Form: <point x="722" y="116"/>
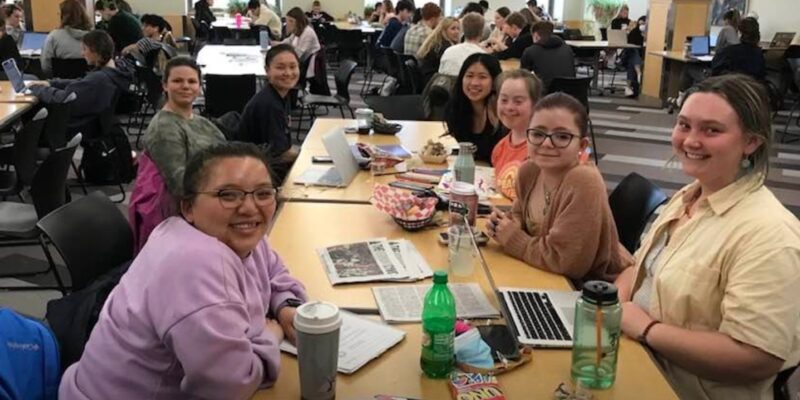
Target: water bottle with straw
<point x="598" y="319"/>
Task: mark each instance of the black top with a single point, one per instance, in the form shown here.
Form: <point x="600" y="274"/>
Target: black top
<point x="617" y="23"/>
<point x="125" y="29"/>
<point x="743" y="58"/>
<point x="265" y="120"/>
<point x="549" y="59"/>
<point x="635" y="36"/>
<point x="484" y="141"/>
<point x="322" y="16"/>
<point x="517" y="47"/>
<point x="8" y="49"/>
<point x="202" y="13"/>
<point x="429" y="64"/>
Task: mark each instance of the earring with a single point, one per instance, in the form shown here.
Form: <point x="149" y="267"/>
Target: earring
<point x="745" y="163"/>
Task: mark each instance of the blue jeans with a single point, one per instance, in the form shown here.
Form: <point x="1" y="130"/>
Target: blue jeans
<point x="631" y="58"/>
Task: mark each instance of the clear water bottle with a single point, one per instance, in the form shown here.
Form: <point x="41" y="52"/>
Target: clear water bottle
<point x="464" y="167"/>
<point x="263" y="39"/>
<point x="438" y="329"/>
<point x="598" y="319"/>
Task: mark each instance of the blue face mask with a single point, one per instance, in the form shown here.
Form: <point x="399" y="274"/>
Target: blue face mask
<point x="472" y="350"/>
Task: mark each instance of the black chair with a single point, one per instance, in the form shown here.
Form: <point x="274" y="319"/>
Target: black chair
<point x="794" y="66"/>
<point x="342" y="97"/>
<point x="787" y="384"/>
<point x="49" y="192"/>
<point x="400" y="107"/>
<point x="632" y="203"/>
<point x="26" y="142"/>
<point x="351" y="44"/>
<point x="69" y="68"/>
<point x="413" y="73"/>
<point x="235" y="41"/>
<point x="225" y="93"/>
<point x="579" y="89"/>
<point x="91" y="235"/>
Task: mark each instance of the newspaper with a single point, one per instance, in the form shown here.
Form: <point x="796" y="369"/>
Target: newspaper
<point x="404" y="303"/>
<point x="374" y="260"/>
<point x="360" y="340"/>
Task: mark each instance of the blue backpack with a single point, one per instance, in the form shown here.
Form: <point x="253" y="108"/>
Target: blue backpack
<point x="29" y="366"/>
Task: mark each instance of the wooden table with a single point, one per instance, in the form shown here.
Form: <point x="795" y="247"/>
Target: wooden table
<point x="9" y="112"/>
<point x="397" y="371"/>
<point x="510" y="64"/>
<point x="672" y="70"/>
<point x="8" y="95"/>
<point x="363" y="27"/>
<point x="413" y="137"/>
<point x="232" y="60"/>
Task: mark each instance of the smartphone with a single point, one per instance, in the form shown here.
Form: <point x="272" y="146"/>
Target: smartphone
<point x="480" y="238"/>
<point x="409" y="186"/>
<point x="500" y="340"/>
<point x="321" y="159"/>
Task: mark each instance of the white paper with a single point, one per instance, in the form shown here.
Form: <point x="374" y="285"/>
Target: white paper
<point x="374" y="260"/>
<point x="360" y="340"/>
<point x="485" y="184"/>
<point x="415" y="265"/>
<point x="404" y="303"/>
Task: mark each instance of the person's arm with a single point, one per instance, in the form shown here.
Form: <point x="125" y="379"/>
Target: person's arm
<point x="569" y="246"/>
<point x="624" y="284"/>
<point x="283" y="287"/>
<point x="307" y="44"/>
<point x="48" y="53"/>
<point x="165" y="145"/>
<point x="527" y="60"/>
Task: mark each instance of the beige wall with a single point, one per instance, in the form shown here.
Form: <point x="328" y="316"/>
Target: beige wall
<point x="171" y="10"/>
<point x="777" y="16"/>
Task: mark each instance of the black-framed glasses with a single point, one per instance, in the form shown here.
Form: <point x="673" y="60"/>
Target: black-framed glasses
<point x="559" y="140"/>
<point x="233" y="198"/>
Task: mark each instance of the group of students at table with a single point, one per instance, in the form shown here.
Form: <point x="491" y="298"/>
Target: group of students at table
<point x="713" y="284"/>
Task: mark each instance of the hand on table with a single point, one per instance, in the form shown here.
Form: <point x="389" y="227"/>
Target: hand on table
<point x="634" y="319"/>
<point x="286" y="320"/>
<point x="501" y="226"/>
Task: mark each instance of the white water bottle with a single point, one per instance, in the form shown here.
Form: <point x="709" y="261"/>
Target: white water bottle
<point x="263" y="39"/>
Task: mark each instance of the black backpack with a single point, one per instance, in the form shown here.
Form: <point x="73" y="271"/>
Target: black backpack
<point x="107" y="160"/>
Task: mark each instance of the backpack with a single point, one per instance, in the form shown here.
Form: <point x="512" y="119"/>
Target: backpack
<point x="107" y="160"/>
<point x="150" y="202"/>
<point x="29" y="366"/>
<point x="73" y="317"/>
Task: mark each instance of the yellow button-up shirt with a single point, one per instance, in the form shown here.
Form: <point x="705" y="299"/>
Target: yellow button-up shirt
<point x="734" y="267"/>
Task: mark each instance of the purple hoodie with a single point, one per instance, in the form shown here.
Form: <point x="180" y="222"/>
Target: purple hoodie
<point x="186" y="321"/>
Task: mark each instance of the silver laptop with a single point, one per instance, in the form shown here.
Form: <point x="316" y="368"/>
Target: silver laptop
<point x="617" y="37"/>
<point x="345" y="165"/>
<point x="539" y="318"/>
<point x="782" y="39"/>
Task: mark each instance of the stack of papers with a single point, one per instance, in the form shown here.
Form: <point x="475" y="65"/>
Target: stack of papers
<point x="360" y="340"/>
<point x="404" y="303"/>
<point x="374" y="260"/>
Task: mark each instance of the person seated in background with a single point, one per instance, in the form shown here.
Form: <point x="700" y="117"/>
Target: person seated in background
<point x="204" y="16"/>
<point x="14" y="26"/>
<point x="431" y="15"/>
<point x="8" y="48"/>
<point x="713" y="292"/>
<point x="446" y="34"/>
<point x="631" y="59"/>
<point x="386" y="12"/>
<point x="399" y="41"/>
<point x="473" y="7"/>
<point x="488" y="13"/>
<point x="498" y="34"/>
<point x="204" y="306"/>
<point x="317" y="15"/>
<point x="123" y="27"/>
<point x="538" y="12"/>
<point x="622" y="20"/>
<point x="156" y="33"/>
<point x="261" y="15"/>
<point x="520" y="38"/>
<point x="395" y="23"/>
<point x="729" y="34"/>
<point x="301" y="35"/>
<point x="548" y="57"/>
<point x="561" y="221"/>
<point x="65" y="42"/>
<point x="518" y="91"/>
<point x="265" y="119"/>
<point x="95" y="92"/>
<point x="453" y="58"/>
<point x="376" y="13"/>
<point x="471" y="113"/>
<point x="746" y="57"/>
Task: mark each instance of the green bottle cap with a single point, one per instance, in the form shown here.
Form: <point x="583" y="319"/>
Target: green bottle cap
<point x="440" y="277"/>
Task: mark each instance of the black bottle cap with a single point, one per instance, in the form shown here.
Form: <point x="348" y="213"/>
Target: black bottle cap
<point x="600" y="292"/>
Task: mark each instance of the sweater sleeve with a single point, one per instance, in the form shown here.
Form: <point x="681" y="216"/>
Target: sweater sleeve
<point x="283" y="286"/>
<point x="48" y="53"/>
<point x="164" y="143"/>
<point x="570" y="245"/>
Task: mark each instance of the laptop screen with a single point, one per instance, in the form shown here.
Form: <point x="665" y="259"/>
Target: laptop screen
<point x="33" y="41"/>
<point x="700" y="46"/>
<point x="13" y="74"/>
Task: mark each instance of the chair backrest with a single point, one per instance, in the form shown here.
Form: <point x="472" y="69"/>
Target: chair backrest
<point x="787" y="384"/>
<point x="170" y="51"/>
<point x="572" y="34"/>
<point x="343" y="76"/>
<point x="69" y="68"/>
<point x="399" y="107"/>
<point x="49" y="185"/>
<point x="246" y="41"/>
<point x="414" y="74"/>
<point x="92" y="236"/>
<point x="224" y="93"/>
<point x="26" y="142"/>
<point x="632" y="203"/>
<point x="55" y="127"/>
<point x="29" y="364"/>
<point x="794" y="66"/>
<point x="575" y="87"/>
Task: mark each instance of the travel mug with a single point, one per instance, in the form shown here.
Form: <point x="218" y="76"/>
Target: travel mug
<point x="317" y="324"/>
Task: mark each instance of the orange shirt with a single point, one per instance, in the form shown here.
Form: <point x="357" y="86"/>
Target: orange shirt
<point x="506" y="160"/>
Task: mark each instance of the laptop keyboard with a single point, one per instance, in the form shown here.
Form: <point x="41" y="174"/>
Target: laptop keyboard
<point x="538" y="316"/>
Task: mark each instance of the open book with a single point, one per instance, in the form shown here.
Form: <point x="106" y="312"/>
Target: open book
<point x="374" y="260"/>
<point x="404" y="303"/>
<point x="360" y="340"/>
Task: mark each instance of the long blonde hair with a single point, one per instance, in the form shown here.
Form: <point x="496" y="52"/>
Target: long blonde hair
<point x="437" y="38"/>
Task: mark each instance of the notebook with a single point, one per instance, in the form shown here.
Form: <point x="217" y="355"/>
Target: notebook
<point x="345" y="165"/>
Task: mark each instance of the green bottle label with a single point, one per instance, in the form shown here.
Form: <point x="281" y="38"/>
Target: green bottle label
<point x="437" y="346"/>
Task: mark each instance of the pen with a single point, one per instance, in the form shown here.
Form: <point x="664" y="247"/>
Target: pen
<point x="361" y="310"/>
<point x="389" y="173"/>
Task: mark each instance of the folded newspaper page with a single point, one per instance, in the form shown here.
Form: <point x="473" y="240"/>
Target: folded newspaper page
<point x="404" y="303"/>
<point x="374" y="260"/>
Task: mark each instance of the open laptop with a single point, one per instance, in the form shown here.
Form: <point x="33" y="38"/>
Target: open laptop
<point x="32" y="43"/>
<point x="539" y="318"/>
<point x="700" y="48"/>
<point x="617" y="37"/>
<point x="345" y="165"/>
<point x="15" y="77"/>
<point x="713" y="35"/>
<point x="782" y="39"/>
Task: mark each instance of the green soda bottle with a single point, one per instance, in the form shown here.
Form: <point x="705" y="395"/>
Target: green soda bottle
<point x="438" y="329"/>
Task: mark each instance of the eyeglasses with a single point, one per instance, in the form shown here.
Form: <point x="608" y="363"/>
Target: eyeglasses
<point x="559" y="140"/>
<point x="233" y="198"/>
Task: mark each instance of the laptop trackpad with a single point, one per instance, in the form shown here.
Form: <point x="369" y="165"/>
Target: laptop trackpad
<point x="565" y="301"/>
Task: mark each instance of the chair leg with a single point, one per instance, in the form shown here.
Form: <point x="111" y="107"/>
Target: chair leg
<point x="594" y="143"/>
<point x="52" y="263"/>
<point x="80" y="177"/>
<point x="300" y="122"/>
<point x="341" y="110"/>
<point x="352" y="114"/>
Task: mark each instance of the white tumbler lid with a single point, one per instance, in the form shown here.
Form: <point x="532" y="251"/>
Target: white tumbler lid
<point x="462" y="188"/>
<point x="317" y="317"/>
